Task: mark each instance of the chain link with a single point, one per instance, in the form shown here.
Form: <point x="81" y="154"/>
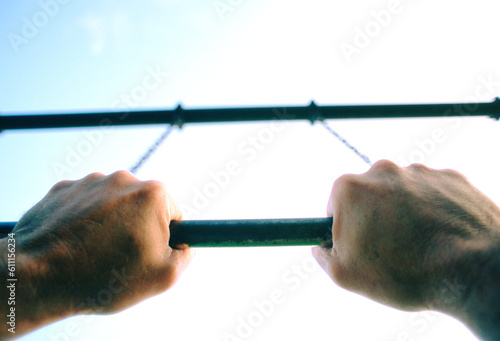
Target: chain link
<point x="145" y="157"/>
<point x="346" y="143"/>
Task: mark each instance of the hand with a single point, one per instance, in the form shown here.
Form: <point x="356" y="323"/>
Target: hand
<point x="413" y="238"/>
<point x="97" y="245"/>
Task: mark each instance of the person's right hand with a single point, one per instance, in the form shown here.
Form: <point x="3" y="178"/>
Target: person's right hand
<point x="416" y="238"/>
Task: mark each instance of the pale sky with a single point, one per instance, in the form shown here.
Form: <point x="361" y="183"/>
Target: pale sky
<point x="94" y="55"/>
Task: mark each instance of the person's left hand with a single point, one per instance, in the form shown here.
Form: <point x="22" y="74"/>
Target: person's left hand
<point x="96" y="245"/>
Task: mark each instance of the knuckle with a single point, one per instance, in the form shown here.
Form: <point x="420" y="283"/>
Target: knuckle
<point x="418" y="167"/>
<point x="347" y="185"/>
<point x="454" y="174"/>
<point x="346" y="180"/>
<point x="122" y="176"/>
<point x="340" y="276"/>
<point x="61" y="185"/>
<point x="154" y="186"/>
<point x="153" y="189"/>
<point x="168" y="277"/>
<point x="93" y="176"/>
<point x="385" y="166"/>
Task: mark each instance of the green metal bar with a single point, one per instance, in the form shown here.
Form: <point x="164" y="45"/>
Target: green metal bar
<point x="241" y="233"/>
<point x="255" y="232"/>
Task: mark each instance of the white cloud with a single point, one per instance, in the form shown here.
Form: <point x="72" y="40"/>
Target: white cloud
<point x="95" y="26"/>
<point x="105" y="30"/>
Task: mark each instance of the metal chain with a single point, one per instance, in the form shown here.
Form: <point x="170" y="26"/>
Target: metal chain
<point x="145" y="157"/>
<point x="346" y="143"/>
<point x="152" y="149"/>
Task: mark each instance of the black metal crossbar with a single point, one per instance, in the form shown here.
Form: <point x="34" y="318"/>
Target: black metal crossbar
<point x="311" y="113"/>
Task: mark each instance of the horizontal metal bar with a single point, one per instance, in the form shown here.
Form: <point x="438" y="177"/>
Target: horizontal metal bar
<point x="311" y="113"/>
<point x="237" y="233"/>
<point x="6" y="227"/>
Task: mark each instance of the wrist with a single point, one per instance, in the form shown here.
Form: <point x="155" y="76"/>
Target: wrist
<point x="482" y="307"/>
<point x="472" y="295"/>
<point x="33" y="301"/>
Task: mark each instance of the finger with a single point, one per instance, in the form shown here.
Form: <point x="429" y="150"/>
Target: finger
<point x="165" y="276"/>
<point x="182" y="257"/>
<point x="329" y="205"/>
<point x="340" y="187"/>
<point x="179" y="261"/>
<point x="183" y="254"/>
<point x="338" y="200"/>
<point x="174" y="211"/>
<point x="325" y="258"/>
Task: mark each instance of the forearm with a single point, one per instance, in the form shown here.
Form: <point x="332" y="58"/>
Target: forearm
<point x="482" y="307"/>
<point x="23" y="308"/>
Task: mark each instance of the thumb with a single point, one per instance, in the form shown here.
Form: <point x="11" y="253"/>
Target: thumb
<point x="324" y="253"/>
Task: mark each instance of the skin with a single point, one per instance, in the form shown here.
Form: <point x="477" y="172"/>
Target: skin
<point x="413" y="238"/>
<point x="417" y="239"/>
<point x="93" y="246"/>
